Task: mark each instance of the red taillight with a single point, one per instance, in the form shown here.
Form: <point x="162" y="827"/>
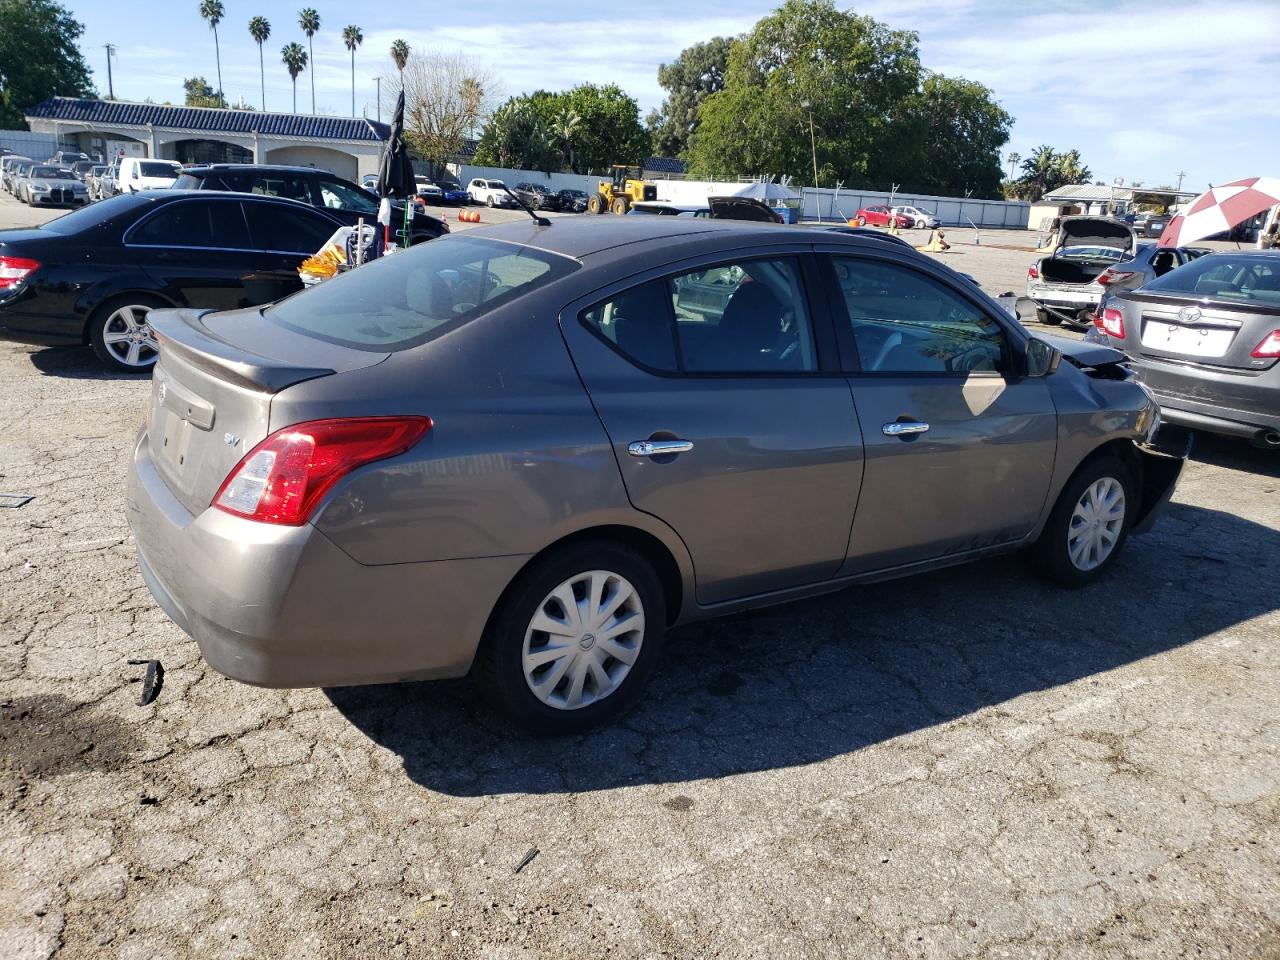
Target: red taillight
<point x="283" y="478"/>
<point x="13" y="270"/>
<point x="1032" y="272"/>
<point x="1269" y="348"/>
<point x="1113" y="322"/>
<point x="1113" y="276"/>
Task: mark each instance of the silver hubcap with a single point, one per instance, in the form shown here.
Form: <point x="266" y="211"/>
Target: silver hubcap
<point x="1096" y="523"/>
<point x="129" y="338"/>
<point x="583" y="640"/>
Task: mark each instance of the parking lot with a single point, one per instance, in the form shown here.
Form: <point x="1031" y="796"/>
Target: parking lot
<point x="970" y="763"/>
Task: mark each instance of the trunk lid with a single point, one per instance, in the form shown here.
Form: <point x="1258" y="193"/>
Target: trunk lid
<point x="1198" y="331"/>
<point x="1096" y="232"/>
<point x="212" y="389"/>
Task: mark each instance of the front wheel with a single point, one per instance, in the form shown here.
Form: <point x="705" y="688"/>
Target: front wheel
<point x="488" y="201"/>
<point x="574" y="640"/>
<point x="1089" y="524"/>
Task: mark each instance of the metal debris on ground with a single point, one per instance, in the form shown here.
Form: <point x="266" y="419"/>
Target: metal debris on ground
<point x="152" y="682"/>
<point x="12" y="501"/>
<point x="528" y="859"/>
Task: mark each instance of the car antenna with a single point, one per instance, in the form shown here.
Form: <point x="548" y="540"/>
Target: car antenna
<point x="540" y="221"/>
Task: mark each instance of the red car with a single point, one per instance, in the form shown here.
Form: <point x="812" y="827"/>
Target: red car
<point x="879" y="217"/>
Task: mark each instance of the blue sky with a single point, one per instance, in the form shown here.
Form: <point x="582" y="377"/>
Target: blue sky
<point x="1143" y="89"/>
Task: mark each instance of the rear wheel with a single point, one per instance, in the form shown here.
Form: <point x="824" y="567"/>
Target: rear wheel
<point x="620" y="205"/>
<point x="1089" y="524"/>
<point x="121" y="336"/>
<point x="1047" y="318"/>
<point x="574" y="640"/>
<point x="597" y="203"/>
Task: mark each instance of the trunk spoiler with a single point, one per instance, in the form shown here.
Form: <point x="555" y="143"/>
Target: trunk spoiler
<point x="181" y="333"/>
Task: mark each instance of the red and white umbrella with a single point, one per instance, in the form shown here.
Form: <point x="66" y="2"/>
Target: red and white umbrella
<point x="1222" y="208"/>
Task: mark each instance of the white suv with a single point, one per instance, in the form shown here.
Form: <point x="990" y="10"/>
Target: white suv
<point x="492" y="193"/>
<point x="136" y="174"/>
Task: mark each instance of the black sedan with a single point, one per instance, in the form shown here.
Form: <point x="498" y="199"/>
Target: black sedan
<point x="93" y="276"/>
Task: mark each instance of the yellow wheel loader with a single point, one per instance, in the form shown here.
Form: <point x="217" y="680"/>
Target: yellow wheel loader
<point x="619" y="193"/>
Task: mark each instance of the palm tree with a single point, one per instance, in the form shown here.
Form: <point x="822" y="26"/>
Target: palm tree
<point x="260" y="30"/>
<point x="309" y="21"/>
<point x="212" y="12"/>
<point x="400" y="54"/>
<point x="1013" y="163"/>
<point x="352" y="37"/>
<point x="295" y="58"/>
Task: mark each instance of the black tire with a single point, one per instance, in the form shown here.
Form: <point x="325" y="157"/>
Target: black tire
<point x="488" y="201"/>
<point x="97" y="330"/>
<point x="861" y="221"/>
<point x="499" y="670"/>
<point x="620" y="206"/>
<point x="1047" y="318"/>
<point x="1051" y="553"/>
<point x="597" y="203"/>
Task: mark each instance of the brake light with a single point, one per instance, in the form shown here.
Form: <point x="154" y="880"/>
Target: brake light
<point x="13" y="270"/>
<point x="283" y="478"/>
<point x="1269" y="348"/>
<point x="1114" y="276"/>
<point x="1032" y="272"/>
<point x="1113" y="322"/>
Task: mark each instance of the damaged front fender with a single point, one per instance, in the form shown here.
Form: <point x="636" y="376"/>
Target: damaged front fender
<point x="1163" y="457"/>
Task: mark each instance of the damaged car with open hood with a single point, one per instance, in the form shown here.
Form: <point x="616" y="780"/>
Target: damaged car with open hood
<point x="1064" y="285"/>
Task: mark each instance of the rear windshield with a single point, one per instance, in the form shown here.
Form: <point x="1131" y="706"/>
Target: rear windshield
<point x="408" y="298"/>
<point x="159" y="170"/>
<point x="1225" y="276"/>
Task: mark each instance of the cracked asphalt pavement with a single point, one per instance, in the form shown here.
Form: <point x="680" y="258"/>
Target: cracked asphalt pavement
<point x="965" y="764"/>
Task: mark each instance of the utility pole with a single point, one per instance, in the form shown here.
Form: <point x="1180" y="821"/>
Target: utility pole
<point x="378" y="81"/>
<point x="1181" y="175"/>
<point x="813" y="143"/>
<point x="111" y="52"/>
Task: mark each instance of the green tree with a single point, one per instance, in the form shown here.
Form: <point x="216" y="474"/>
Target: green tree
<point x="518" y="136"/>
<point x="608" y="128"/>
<point x="1046" y="170"/>
<point x="260" y="30"/>
<point x="200" y="94"/>
<point x="38" y="58"/>
<point x="309" y="21"/>
<point x="400" y="56"/>
<point x="353" y="36"/>
<point x="693" y="76"/>
<point x="849" y="73"/>
<point x="212" y="13"/>
<point x="958" y="130"/>
<point x="295" y="61"/>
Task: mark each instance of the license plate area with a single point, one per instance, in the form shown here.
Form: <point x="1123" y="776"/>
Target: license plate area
<point x="174" y="442"/>
<point x="1186" y="341"/>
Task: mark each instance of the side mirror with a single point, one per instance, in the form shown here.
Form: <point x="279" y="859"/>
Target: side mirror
<point x="1041" y="358"/>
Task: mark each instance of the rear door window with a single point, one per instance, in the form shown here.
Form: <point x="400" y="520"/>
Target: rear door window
<point x="211" y="224"/>
<point x="401" y="301"/>
<point x="283" y="228"/>
<point x="745" y="317"/>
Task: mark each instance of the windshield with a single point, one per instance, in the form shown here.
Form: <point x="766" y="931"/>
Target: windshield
<point x="51" y="173"/>
<point x="161" y="171"/>
<point x="404" y="300"/>
<point x="496" y="184"/>
<point x="1091" y="253"/>
<point x="1225" y="276"/>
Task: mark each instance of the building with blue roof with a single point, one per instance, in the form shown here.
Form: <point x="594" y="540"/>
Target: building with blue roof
<point x="346" y="146"/>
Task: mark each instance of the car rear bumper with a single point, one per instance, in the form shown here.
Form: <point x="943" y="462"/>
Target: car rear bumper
<point x="1243" y="404"/>
<point x="286" y="607"/>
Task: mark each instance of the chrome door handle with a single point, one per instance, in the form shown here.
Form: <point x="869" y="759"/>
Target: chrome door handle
<point x="904" y="428"/>
<point x="658" y="448"/>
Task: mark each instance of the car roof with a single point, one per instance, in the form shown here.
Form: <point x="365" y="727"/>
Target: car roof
<point x="584" y="237"/>
<point x="253" y="168"/>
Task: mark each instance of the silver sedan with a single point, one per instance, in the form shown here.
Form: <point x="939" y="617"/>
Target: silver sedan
<point x="523" y="452"/>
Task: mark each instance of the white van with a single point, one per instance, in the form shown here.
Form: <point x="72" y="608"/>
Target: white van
<point x="137" y="174"/>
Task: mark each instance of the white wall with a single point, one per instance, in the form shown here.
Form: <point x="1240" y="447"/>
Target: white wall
<point x="466" y="172"/>
<point x="322" y="158"/>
